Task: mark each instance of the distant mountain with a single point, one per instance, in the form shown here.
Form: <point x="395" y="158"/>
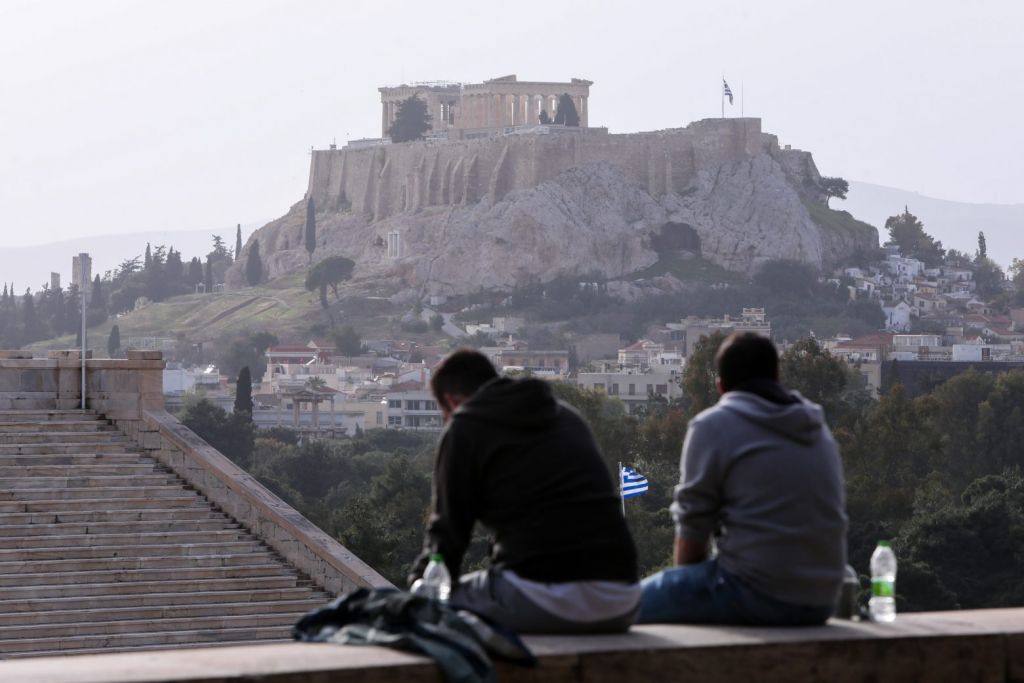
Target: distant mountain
<point x="955" y="223"/>
<point x="31" y="266"/>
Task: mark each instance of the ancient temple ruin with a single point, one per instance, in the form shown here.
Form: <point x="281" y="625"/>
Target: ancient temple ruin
<point x="495" y="103"/>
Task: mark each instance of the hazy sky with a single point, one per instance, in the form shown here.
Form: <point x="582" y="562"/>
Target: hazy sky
<point x="130" y="116"/>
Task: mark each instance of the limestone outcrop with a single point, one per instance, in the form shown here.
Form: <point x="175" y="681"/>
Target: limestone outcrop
<point x="452" y="217"/>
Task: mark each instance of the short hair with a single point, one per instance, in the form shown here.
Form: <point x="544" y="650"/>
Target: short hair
<point x="744" y="356"/>
<point x="463" y="372"/>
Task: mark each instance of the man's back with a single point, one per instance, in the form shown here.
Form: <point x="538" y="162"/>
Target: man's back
<point x="767" y="475"/>
<point x="526" y="466"/>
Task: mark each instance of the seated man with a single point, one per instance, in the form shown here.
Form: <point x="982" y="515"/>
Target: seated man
<point x="760" y="473"/>
<point x="526" y="466"/>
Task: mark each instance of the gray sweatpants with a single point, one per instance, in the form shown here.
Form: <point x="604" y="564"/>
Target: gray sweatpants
<point x="487" y="593"/>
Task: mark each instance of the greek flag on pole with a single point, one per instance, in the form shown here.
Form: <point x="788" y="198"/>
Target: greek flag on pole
<point x="633" y="483"/>
<point x="726" y="90"/>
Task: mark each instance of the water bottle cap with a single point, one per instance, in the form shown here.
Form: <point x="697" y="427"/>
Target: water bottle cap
<point x="436" y="557"/>
<point x="883" y="544"/>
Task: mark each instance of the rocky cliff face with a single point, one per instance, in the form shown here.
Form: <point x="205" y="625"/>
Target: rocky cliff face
<point x="501" y="212"/>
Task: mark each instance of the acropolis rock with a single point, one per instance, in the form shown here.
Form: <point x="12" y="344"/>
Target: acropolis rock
<point x="452" y="216"/>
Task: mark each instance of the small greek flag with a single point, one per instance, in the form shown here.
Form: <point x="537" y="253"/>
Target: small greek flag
<point x="726" y="90"/>
<point x="633" y="483"/>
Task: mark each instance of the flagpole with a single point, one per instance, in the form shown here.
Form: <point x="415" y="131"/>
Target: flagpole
<point x="741" y="99"/>
<point x="622" y="493"/>
<point x="723" y="96"/>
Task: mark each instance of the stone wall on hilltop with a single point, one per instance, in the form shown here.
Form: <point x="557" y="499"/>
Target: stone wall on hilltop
<point x="504" y="211"/>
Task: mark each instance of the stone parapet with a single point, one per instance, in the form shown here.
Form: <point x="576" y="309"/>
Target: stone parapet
<point x="328" y="563"/>
<point x="982" y="645"/>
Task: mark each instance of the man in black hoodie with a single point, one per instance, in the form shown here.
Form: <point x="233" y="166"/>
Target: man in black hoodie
<point x="525" y="466"/>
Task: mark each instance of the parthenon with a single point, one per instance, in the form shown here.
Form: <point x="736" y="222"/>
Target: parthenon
<point x="495" y="103"/>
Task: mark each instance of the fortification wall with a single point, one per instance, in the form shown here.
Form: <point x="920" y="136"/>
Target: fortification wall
<point x="383" y="181"/>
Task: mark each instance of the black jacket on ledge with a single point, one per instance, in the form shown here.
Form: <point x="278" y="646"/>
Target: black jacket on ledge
<point x="526" y="466"/>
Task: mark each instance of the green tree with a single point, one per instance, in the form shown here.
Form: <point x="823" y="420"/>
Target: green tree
<point x="834" y="187"/>
<point x="698" y="383"/>
<point x="208" y="276"/>
<point x="437" y="322"/>
<point x="243" y="392"/>
<point x="412" y="120"/>
<point x="233" y="435"/>
<point x="348" y="342"/>
<point x="114" y="341"/>
<point x="988" y="277"/>
<point x="566" y="113"/>
<point x="247" y="351"/>
<point x="330" y="272"/>
<point x="544" y="119"/>
<point x="815" y="373"/>
<point x="310" y="227"/>
<point x="982" y="252"/>
<point x="315" y="383"/>
<point x="907" y="232"/>
<point x="254" y="265"/>
<point x="238" y="242"/>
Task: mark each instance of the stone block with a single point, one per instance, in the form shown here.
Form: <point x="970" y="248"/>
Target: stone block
<point x="16" y="355"/>
<point x="30" y="380"/>
<point x="145" y="355"/>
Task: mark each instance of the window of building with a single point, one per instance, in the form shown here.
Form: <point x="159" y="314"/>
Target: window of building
<point x="395" y="420"/>
<point x="632" y="390"/>
<point x="430" y="405"/>
<point x="380" y="418"/>
<point x="661" y="389"/>
<point x="613" y="390"/>
<point x="599" y="386"/>
<point x="395" y="403"/>
<point x="412" y="405"/>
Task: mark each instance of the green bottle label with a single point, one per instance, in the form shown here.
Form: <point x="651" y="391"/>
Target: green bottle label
<point x="880" y="588"/>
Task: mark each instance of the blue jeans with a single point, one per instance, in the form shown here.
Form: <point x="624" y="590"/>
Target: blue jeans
<point x="704" y="593"/>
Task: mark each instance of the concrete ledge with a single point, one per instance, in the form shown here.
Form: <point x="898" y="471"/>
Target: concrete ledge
<point x="328" y="563"/>
<point x="983" y="645"/>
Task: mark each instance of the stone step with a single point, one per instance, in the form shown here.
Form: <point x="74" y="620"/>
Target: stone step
<point x="101" y="481"/>
<point x="238" y="547"/>
<point x="87" y="470"/>
<point x="68" y="516"/>
<point x="107" y="528"/>
<point x="283" y="620"/>
<point x="180" y="499"/>
<point x="128" y="576"/>
<point x="62" y="644"/>
<point x="61" y="448"/>
<point x="127" y="563"/>
<point x="55" y="427"/>
<point x="84" y="590"/>
<point x="129" y="614"/>
<point x="62" y="437"/>
<point x="91" y="540"/>
<point x="40" y="460"/>
<point x="44" y="604"/>
<point x="91" y="493"/>
<point x="46" y="415"/>
<point x="144" y="648"/>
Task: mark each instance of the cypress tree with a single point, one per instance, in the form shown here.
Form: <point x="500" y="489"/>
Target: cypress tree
<point x="254" y="265"/>
<point x="243" y="392"/>
<point x="238" y="241"/>
<point x="149" y="258"/>
<point x="209" y="276"/>
<point x="114" y="341"/>
<point x="310" y="228"/>
<point x="566" y="113"/>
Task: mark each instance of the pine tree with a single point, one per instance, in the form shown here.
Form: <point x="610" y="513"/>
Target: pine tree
<point x="412" y="120"/>
<point x="148" y="263"/>
<point x="114" y="341"/>
<point x="982" y="247"/>
<point x="310" y="228"/>
<point x="254" y="265"/>
<point x="238" y="241"/>
<point x="195" y="271"/>
<point x="96" y="295"/>
<point x="243" y="392"/>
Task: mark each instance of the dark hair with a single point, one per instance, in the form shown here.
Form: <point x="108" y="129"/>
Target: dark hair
<point x="462" y="372"/>
<point x="744" y="356"/>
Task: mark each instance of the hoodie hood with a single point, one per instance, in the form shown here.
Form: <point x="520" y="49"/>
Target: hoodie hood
<point x="522" y="403"/>
<point x="801" y="421"/>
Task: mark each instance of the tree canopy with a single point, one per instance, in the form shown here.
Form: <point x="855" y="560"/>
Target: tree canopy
<point x="834" y="187"/>
<point x="907" y="232"/>
<point x="254" y="265"/>
<point x="310" y="227"/>
<point x="566" y="113"/>
<point x="412" y="120"/>
<point x="330" y="272"/>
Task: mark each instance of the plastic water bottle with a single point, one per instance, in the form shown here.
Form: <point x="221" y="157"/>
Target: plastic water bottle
<point x="437" y="582"/>
<point x="882" y="604"/>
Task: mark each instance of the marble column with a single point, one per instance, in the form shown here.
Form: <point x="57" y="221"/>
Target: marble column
<point x="383" y="119"/>
<point x="584" y="115"/>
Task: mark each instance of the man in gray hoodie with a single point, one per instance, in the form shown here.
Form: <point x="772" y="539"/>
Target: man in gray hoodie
<point x="761" y="475"/>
